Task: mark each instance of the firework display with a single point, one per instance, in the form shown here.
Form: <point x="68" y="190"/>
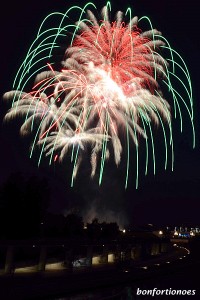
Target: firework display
<point x="108" y="95"/>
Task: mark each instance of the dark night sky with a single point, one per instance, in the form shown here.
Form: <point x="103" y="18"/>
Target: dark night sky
<point x="167" y="198"/>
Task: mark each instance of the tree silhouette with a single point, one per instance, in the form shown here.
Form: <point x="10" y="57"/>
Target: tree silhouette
<point x="103" y="230"/>
<point x="23" y="203"/>
<point x="73" y="225"/>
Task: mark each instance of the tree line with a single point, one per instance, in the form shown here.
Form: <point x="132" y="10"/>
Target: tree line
<point x="24" y="203"/>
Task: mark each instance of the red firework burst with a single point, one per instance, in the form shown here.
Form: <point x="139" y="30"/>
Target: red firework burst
<point x="119" y="50"/>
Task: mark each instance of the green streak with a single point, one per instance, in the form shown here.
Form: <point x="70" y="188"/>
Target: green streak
<point x="137" y="156"/>
<point x="188" y="79"/>
<point x="169" y="48"/>
<point x="30" y="55"/>
<point x="79" y="21"/>
<point x="170" y="130"/>
<point x="128" y="153"/>
<point x="184" y="87"/>
<point x="164" y="134"/>
<point x="142" y="115"/>
<point x="188" y="76"/>
<point x="103" y="154"/>
<point x="76" y="158"/>
<point x="152" y="143"/>
<point x="147" y="18"/>
<point x="176" y="101"/>
<point x="191" y="119"/>
<point x="28" y="80"/>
